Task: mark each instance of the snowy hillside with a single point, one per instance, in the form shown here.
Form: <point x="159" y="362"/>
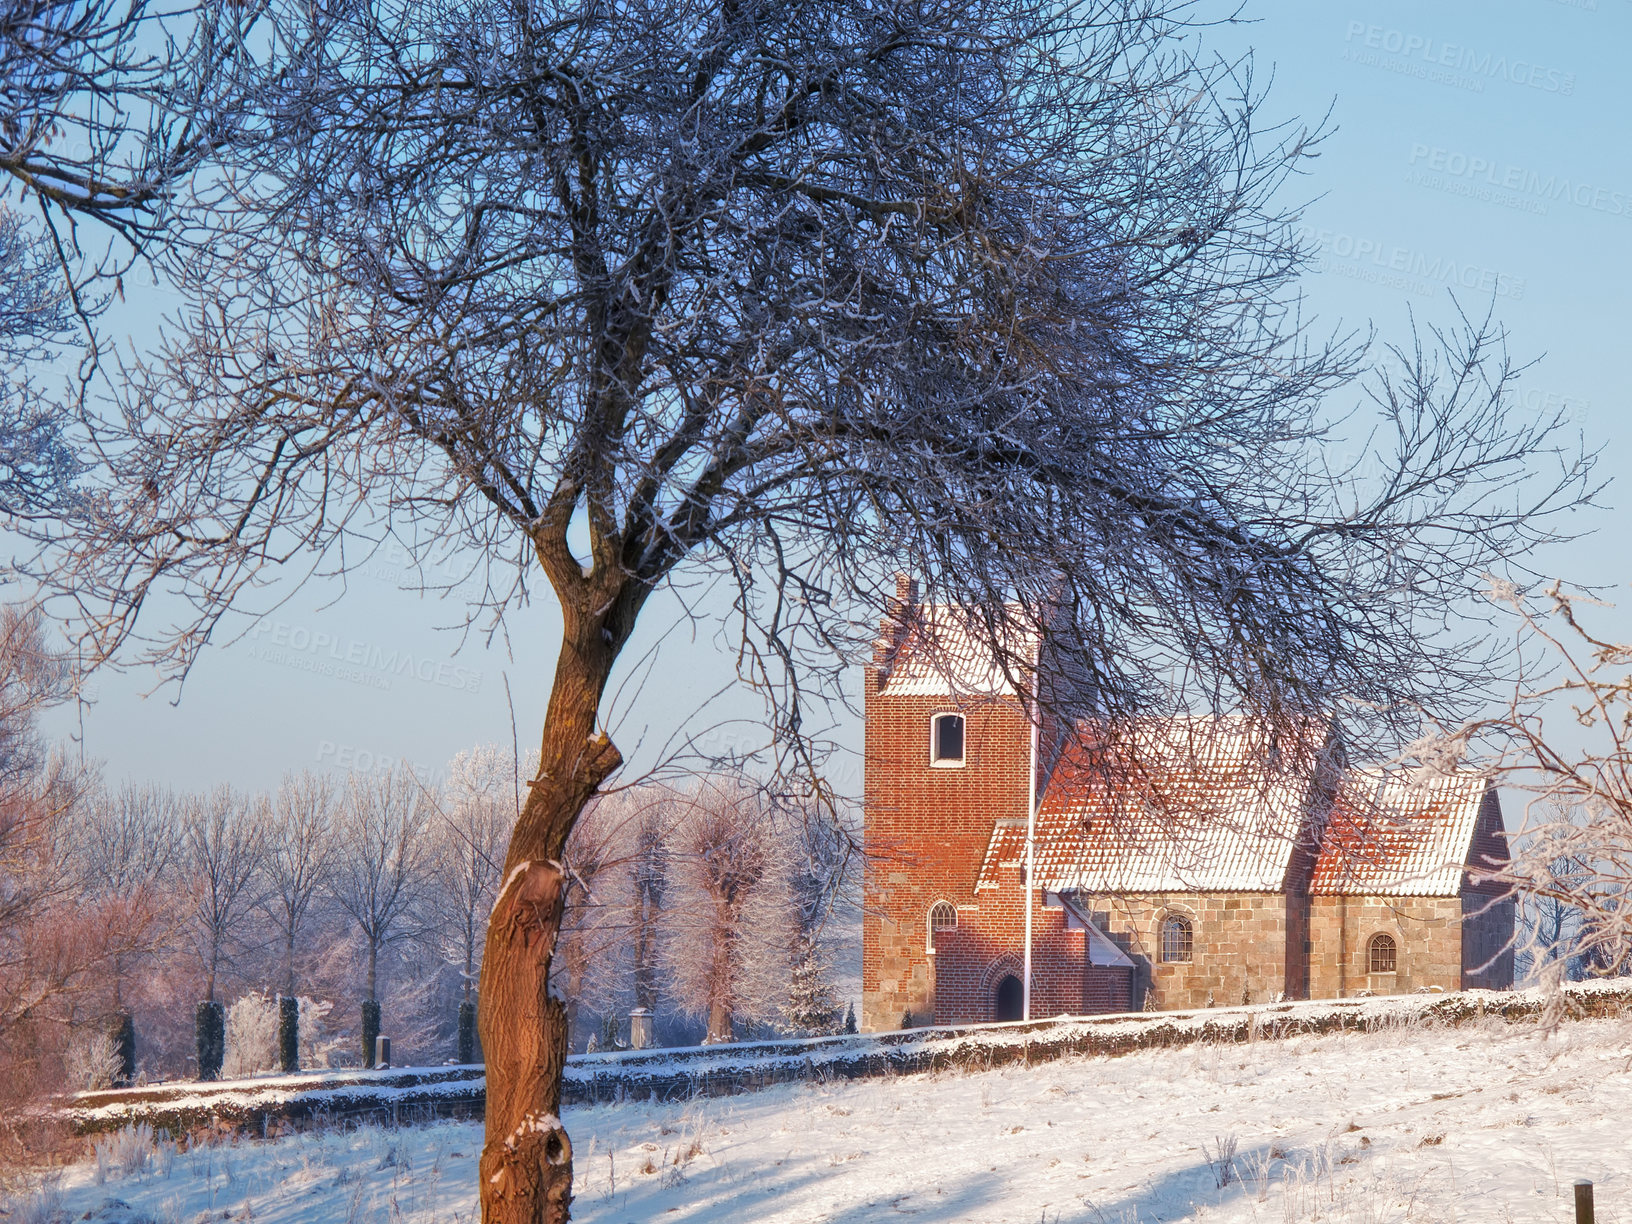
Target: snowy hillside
<point x="1488" y="1122"/>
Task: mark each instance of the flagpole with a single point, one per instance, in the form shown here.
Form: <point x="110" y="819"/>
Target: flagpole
<point x="1031" y="862"/>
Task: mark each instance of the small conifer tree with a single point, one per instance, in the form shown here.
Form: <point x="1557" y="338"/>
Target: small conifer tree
<point x="124" y="1044"/>
<point x="849" y="1017"/>
<point x="467" y="1031"/>
<point x="811" y="1007"/>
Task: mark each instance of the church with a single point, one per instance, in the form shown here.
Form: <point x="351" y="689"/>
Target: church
<point x="1182" y="866"/>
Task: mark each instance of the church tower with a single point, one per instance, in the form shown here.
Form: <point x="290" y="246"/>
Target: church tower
<point x="947" y="749"/>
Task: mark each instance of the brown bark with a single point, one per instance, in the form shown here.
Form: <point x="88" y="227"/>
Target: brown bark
<point x="719" y="1007"/>
<point x="526" y="1164"/>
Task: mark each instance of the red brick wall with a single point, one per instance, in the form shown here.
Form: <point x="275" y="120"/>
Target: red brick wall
<point x="989" y="943"/>
<point x="927" y="831"/>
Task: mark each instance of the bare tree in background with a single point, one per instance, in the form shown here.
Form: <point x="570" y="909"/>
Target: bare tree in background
<point x="223" y="847"/>
<point x="478" y="809"/>
<point x="1000" y="292"/>
<point x="128" y="851"/>
<point x="592" y="922"/>
<point x="379" y="872"/>
<point x="732" y="920"/>
<point x="299" y="849"/>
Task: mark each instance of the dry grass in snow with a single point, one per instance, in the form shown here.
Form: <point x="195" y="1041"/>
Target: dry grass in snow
<point x="1488" y="1122"/>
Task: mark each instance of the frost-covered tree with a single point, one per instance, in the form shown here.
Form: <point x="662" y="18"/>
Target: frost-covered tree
<point x="731" y="920"/>
<point x="1001" y="292"/>
<point x="1563" y="742"/>
<point x="812" y="1008"/>
<point x="223" y="847"/>
<point x="251" y="1036"/>
<point x="299" y="847"/>
<point x="378" y="876"/>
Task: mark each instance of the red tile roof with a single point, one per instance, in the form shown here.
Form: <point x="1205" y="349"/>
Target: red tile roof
<point x="1182" y="805"/>
<point x="1400" y="833"/>
<point x="945" y="653"/>
<point x="1194" y="805"/>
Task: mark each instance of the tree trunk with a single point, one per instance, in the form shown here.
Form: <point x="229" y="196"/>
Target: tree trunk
<point x="526" y="1165"/>
<point x="719" y="1007"/>
<point x="646" y="952"/>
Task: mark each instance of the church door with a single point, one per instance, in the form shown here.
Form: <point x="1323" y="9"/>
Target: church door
<point x="1010" y="998"/>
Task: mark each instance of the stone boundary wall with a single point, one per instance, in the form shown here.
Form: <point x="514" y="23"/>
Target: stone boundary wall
<point x="269" y="1105"/>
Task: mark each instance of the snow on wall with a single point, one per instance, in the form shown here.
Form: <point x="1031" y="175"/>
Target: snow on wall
<point x="267" y="1104"/>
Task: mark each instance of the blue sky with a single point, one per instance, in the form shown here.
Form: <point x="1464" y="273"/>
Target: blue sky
<point x="1485" y="146"/>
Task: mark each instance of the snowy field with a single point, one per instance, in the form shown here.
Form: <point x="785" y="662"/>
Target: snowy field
<point x="1481" y="1123"/>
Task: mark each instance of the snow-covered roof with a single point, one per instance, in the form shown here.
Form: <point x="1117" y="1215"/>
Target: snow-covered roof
<point x="945" y="652"/>
<point x="1400" y="833"/>
<point x="1178" y="805"/>
<point x="1191" y="805"/>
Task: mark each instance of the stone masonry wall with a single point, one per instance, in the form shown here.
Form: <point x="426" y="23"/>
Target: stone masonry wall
<point x="1427" y="934"/>
<point x="1240" y="945"/>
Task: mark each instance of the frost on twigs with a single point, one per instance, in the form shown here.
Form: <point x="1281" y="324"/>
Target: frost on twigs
<point x="1562" y="743"/>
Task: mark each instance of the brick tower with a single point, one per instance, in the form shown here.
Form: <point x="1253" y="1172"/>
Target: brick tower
<point x="946" y="753"/>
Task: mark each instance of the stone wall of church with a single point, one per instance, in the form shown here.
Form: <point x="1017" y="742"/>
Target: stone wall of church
<point x="1427" y="935"/>
<point x="1239" y="945"/>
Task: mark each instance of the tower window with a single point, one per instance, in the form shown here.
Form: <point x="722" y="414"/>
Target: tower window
<point x="942" y="917"/>
<point x="1382" y="954"/>
<point x="946" y="740"/>
<point x="1178" y="940"/>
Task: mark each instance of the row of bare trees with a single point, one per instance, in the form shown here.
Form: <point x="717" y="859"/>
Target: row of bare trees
<point x="701" y="905"/>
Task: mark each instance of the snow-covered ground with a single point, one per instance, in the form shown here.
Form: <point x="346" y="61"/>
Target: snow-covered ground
<point x="1487" y="1122"/>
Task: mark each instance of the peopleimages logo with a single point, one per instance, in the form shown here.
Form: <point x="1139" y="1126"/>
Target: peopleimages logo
<point x="1499" y="177"/>
<point x="1432" y="59"/>
<point x="347" y="659"/>
<point x="1398" y="267"/>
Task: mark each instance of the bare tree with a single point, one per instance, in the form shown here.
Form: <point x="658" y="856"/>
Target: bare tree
<point x="732" y="921"/>
<point x="36" y="463"/>
<point x="378" y="872"/>
<point x="128" y="850"/>
<point x="477" y="811"/>
<point x="108" y="104"/>
<point x="299" y="847"/>
<point x="39" y="964"/>
<point x="222" y="852"/>
<point x="1564" y="740"/>
<point x="1001" y="292"/>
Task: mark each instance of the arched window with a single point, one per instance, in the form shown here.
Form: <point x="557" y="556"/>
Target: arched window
<point x="946" y="740"/>
<point x="1381" y="954"/>
<point x="942" y="917"/>
<point x="1178" y="939"/>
